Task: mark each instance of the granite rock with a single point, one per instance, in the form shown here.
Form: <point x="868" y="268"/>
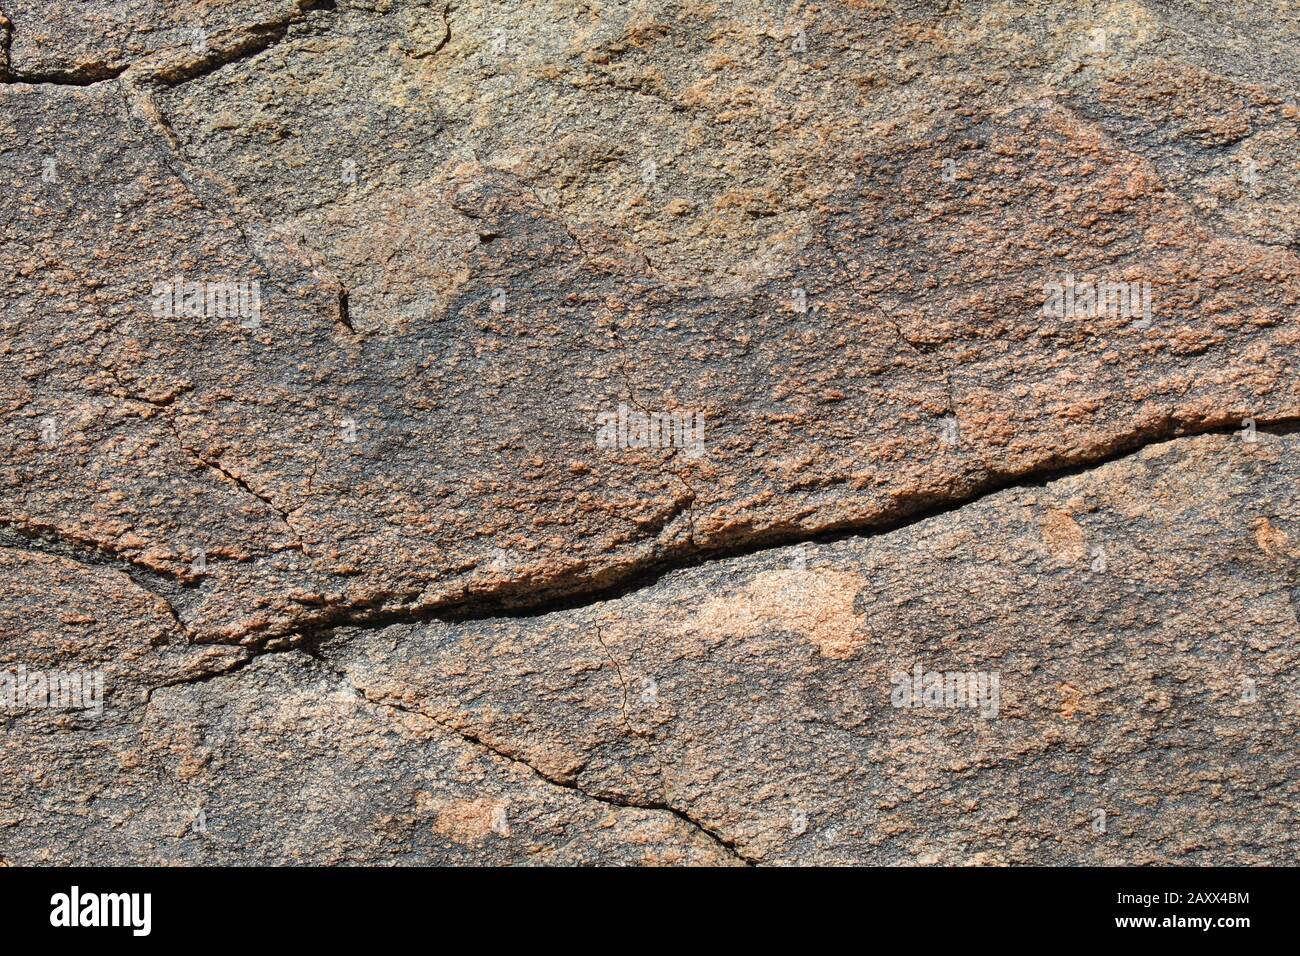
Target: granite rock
<point x="437" y="419"/>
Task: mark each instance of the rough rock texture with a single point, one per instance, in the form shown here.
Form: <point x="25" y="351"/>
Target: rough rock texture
<point x="364" y="586"/>
<point x="1141" y="618"/>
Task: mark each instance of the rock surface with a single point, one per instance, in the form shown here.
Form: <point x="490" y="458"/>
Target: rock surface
<point x="356" y="533"/>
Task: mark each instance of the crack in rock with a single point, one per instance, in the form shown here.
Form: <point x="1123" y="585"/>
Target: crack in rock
<point x="718" y="839"/>
<point x="475" y="607"/>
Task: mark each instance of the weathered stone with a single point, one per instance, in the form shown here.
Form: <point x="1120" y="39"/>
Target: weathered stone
<point x="320" y="317"/>
<point x="1140" y="620"/>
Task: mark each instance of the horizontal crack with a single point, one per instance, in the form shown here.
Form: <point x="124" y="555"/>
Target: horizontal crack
<point x="245" y="41"/>
<point x="683" y="555"/>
